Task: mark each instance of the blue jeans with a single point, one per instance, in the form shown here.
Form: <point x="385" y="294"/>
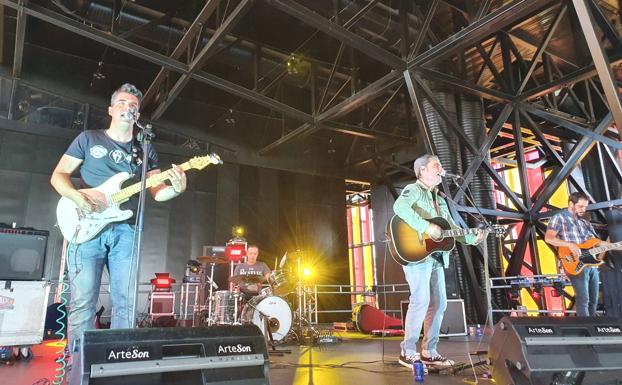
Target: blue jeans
<point x="426" y="307"/>
<point x="85" y="263"/>
<point x="586" y="291"/>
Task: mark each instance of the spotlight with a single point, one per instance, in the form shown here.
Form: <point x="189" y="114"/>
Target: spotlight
<point x="193" y="272"/>
<point x="307" y="272"/>
<point x="237" y="231"/>
<point x="162" y="282"/>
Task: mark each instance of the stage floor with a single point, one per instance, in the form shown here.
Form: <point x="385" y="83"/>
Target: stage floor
<point x="357" y="360"/>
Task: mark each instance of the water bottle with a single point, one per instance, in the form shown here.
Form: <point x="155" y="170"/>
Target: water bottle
<point x="478" y="330"/>
<point x="419" y="371"/>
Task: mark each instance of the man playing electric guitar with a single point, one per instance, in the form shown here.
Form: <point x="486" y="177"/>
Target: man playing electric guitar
<point x="101" y="154"/>
<point x="418" y="202"/>
<point x="569" y="229"/>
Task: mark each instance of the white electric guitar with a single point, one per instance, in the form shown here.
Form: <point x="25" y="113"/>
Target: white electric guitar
<point x="78" y="227"/>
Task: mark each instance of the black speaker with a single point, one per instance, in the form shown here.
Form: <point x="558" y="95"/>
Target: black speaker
<point x="454" y="320"/>
<point x="219" y="355"/>
<point x="558" y="350"/>
<point x="22" y="254"/>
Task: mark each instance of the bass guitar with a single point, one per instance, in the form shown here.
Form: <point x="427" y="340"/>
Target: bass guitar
<point x="78" y="227"/>
<point x="406" y="245"/>
<point x="590" y="256"/>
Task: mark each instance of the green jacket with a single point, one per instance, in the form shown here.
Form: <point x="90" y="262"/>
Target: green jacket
<point x="416" y="204"/>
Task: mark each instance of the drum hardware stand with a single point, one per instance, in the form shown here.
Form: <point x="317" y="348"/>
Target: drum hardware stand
<point x="308" y="330"/>
<point x="204" y="281"/>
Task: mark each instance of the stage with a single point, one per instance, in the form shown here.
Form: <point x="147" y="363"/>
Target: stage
<point x="357" y="359"/>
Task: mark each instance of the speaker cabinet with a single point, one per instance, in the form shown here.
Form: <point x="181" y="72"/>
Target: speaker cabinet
<point x="219" y="355"/>
<point x="545" y="350"/>
<point x="22" y="312"/>
<point x="22" y="254"/>
<point x="454" y="320"/>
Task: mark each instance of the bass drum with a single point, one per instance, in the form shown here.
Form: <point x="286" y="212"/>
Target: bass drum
<point x="275" y="309"/>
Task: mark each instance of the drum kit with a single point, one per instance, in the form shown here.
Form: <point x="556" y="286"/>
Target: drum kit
<point x="270" y="309"/>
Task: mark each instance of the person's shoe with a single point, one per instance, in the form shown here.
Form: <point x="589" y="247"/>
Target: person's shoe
<point x="437" y="360"/>
<point x="408" y="361"/>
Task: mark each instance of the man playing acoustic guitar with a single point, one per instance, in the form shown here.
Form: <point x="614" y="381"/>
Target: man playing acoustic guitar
<point x="417" y="203"/>
<point x="568" y="229"/>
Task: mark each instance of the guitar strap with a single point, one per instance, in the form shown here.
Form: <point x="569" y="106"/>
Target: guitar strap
<point x="434" y="201"/>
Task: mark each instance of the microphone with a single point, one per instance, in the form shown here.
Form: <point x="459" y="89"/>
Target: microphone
<point x="449" y="175"/>
<point x="131" y="113"/>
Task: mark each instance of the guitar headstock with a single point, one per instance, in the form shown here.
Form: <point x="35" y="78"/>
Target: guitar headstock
<point x="498" y="230"/>
<point x="200" y="162"/>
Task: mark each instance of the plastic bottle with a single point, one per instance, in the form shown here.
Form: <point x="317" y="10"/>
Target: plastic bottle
<point x="478" y="330"/>
<point x="419" y="371"/>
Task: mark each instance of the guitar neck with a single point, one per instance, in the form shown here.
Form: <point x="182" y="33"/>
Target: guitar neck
<point x="127" y="192"/>
<point x="602" y="249"/>
<point x="453" y="233"/>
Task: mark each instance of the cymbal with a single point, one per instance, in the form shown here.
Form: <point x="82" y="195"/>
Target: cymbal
<point x="210" y="259"/>
<point x="247" y="279"/>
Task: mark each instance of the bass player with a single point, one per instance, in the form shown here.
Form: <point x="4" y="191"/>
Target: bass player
<point x="569" y="229"/>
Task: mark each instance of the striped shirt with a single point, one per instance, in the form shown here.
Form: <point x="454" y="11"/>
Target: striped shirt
<point x="571" y="228"/>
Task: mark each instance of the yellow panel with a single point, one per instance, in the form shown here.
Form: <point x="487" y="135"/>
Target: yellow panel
<point x="356" y="226"/>
<point x="368" y="266"/>
<point x="528" y="302"/>
<point x="548" y="260"/>
<point x="560" y="196"/>
<point x="351" y="262"/>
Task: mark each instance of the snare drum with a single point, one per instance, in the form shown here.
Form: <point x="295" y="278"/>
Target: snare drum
<point x="279" y="283"/>
<point x="266" y="291"/>
<point x="225" y="307"/>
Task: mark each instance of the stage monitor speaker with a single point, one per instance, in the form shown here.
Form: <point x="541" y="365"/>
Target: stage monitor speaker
<point x="558" y="350"/>
<point x="219" y="355"/>
<point x="454" y="320"/>
<point x="22" y="254"/>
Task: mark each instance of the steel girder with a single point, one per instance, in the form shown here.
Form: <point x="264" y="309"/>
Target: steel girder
<point x="193" y="32"/>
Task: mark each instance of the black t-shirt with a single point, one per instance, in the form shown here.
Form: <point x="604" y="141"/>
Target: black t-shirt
<point x="104" y="157"/>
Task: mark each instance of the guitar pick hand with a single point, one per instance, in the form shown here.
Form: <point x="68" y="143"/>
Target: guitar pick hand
<point x="91" y="201"/>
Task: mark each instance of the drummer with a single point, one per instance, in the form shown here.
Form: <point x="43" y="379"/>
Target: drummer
<point x="252" y="267"/>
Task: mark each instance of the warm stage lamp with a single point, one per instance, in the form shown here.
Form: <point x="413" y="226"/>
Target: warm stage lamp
<point x="237" y="231"/>
<point x="307" y="272"/>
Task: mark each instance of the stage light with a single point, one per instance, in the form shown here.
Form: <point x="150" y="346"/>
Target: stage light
<point x="307" y="272"/>
<point x="235" y="251"/>
<point x="237" y="231"/>
<point x="162" y="282"/>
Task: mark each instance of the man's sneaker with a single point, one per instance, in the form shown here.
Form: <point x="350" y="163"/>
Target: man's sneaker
<point x="408" y="361"/>
<point x="437" y="360"/>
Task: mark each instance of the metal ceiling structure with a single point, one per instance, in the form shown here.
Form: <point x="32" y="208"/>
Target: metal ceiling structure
<point x="343" y="82"/>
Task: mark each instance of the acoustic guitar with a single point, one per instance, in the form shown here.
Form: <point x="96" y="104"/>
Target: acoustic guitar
<point x="590" y="255"/>
<point x="406" y="245"/>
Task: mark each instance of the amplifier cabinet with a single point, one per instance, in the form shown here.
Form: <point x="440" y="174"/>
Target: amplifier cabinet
<point x="23" y="307"/>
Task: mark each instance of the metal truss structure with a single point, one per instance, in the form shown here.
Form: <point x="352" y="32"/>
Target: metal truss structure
<point x="545" y="70"/>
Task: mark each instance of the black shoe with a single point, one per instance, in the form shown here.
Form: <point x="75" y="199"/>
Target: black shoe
<point x="438" y="360"/>
<point x="408" y="361"/>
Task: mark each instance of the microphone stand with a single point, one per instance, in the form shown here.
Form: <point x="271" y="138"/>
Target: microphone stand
<point x="145" y="136"/>
<point x="483" y="249"/>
